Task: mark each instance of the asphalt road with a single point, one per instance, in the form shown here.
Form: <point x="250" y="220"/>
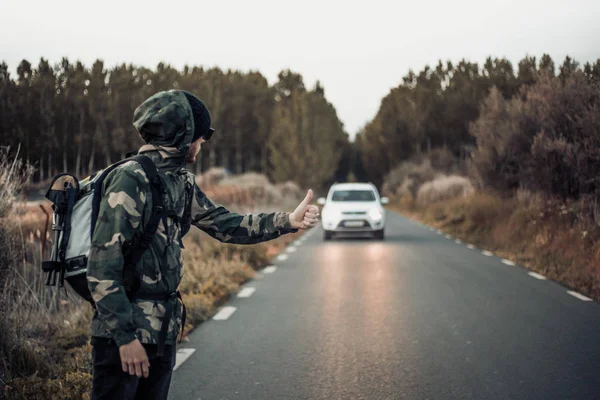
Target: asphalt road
<point x="417" y="316"/>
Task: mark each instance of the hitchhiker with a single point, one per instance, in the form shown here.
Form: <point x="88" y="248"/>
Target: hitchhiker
<point x="134" y="336"/>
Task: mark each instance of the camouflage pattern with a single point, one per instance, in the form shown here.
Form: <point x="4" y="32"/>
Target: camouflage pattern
<point x="164" y="121"/>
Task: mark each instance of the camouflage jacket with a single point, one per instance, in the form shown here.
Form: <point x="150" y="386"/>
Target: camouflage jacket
<point x="126" y="207"/>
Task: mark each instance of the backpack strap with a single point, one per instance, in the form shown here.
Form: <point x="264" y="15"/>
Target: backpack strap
<point x="135" y="248"/>
<point x="142" y="239"/>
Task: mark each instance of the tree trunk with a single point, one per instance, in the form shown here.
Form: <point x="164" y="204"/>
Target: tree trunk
<point x="41" y="169"/>
<point x="225" y="161"/>
<point x="198" y="165"/>
<point x="107" y="149"/>
<point x="238" y="152"/>
<point x="238" y="161"/>
<point x="78" y="161"/>
<point x="64" y="144"/>
<point x="92" y="157"/>
<point x="212" y="157"/>
<point x="264" y="159"/>
<point x="80" y="142"/>
<point x="64" y="158"/>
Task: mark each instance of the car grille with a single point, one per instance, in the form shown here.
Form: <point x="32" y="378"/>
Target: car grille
<point x="354" y="213"/>
<point x="353" y="224"/>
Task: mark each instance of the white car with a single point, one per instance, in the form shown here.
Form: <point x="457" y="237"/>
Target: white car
<point x="353" y="209"/>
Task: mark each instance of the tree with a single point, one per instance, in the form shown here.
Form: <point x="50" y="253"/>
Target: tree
<point x="76" y="119"/>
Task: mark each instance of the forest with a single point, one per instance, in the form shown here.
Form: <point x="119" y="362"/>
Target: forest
<point x="70" y="117"/>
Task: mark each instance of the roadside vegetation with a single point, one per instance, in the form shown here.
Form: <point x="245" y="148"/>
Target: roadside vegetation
<point x="530" y="189"/>
<point x="44" y="334"/>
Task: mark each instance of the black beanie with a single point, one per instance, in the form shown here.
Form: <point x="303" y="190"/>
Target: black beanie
<point x="201" y="116"/>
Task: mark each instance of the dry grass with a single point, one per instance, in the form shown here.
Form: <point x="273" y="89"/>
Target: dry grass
<point x="551" y="237"/>
<point x="212" y="271"/>
<point x="44" y="335"/>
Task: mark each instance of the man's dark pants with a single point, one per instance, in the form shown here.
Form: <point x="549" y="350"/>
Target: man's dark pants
<point x="111" y="383"/>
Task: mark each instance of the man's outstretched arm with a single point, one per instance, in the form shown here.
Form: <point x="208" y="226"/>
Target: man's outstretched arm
<point x="229" y="227"/>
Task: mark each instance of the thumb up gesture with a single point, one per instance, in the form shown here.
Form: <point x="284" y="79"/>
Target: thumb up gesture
<point x="305" y="216"/>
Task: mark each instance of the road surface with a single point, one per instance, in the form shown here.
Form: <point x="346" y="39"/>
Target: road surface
<point x="418" y="316"/>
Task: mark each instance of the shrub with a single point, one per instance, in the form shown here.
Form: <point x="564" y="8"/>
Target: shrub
<point x="212" y="177"/>
<point x="406" y="178"/>
<point x="545" y="140"/>
<point x="290" y="190"/>
<point x="444" y="188"/>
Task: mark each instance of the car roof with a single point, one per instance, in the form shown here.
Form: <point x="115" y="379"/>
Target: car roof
<point x="350" y="186"/>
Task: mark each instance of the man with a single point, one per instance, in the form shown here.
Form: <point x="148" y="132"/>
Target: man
<point x="132" y="358"/>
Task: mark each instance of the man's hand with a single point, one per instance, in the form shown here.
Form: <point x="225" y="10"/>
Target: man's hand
<point x="134" y="359"/>
<point x="305" y="216"/>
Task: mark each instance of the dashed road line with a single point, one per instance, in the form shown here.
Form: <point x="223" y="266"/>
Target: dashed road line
<point x="458" y="241"/>
<point x="507" y="262"/>
<point x="487" y="253"/>
<point x="246" y="292"/>
<point x="224" y="313"/>
<point x="537" y="276"/>
<point x="291" y="249"/>
<point x="578" y="295"/>
<point x="282" y="257"/>
<point x="439" y="232"/>
<point x="448" y="236"/>
<point x="181" y="356"/>
<point x="270" y="269"/>
<point x="470" y="246"/>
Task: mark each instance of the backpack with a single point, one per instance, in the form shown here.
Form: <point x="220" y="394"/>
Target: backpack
<point x="75" y="207"/>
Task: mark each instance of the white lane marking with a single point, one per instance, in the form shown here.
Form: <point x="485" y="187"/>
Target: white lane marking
<point x="224" y="313"/>
<point x="282" y="257"/>
<point x="431" y="229"/>
<point x="537" y="276"/>
<point x="448" y="236"/>
<point x="470" y="246"/>
<point x="439" y="232"/>
<point x="291" y="249"/>
<point x="487" y="253"/>
<point x="181" y="356"/>
<point x="297" y="242"/>
<point x="457" y="241"/>
<point x="507" y="262"/>
<point x="579" y="296"/>
<point x="270" y="269"/>
<point x="246" y="292"/>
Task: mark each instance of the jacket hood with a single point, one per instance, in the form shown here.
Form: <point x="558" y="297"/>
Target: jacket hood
<point x="166" y="120"/>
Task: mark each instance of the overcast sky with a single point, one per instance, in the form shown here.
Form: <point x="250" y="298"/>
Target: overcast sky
<point x="359" y="50"/>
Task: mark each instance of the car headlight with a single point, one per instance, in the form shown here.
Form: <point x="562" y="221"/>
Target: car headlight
<point x="375" y="214"/>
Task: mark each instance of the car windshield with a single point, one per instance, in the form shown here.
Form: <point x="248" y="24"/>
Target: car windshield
<point x="353" y="195"/>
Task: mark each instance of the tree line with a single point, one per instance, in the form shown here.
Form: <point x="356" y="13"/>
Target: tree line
<point x="70" y="117"/>
<point x="436" y="107"/>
